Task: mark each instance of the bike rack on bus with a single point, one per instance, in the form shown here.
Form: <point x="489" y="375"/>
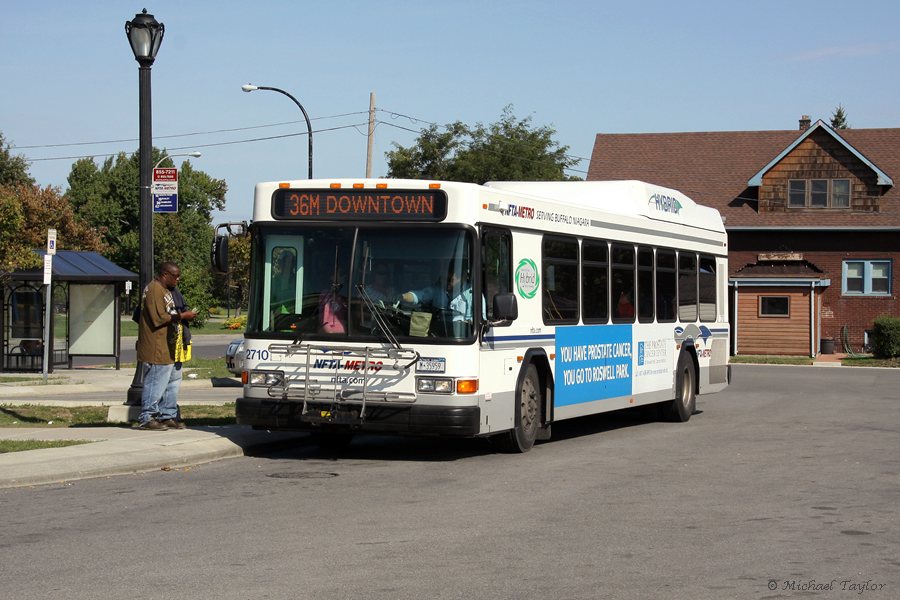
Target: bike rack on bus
<point x="306" y="388"/>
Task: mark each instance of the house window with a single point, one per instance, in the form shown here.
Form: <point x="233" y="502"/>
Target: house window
<point x="840" y="193"/>
<point x="797" y="193"/>
<point x="774" y="306"/>
<point x="866" y="278"/>
<point x="819" y="193"/>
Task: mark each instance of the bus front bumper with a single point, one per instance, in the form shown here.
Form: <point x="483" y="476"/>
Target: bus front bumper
<point x="457" y="421"/>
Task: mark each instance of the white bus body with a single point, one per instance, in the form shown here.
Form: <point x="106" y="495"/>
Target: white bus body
<point x="555" y="253"/>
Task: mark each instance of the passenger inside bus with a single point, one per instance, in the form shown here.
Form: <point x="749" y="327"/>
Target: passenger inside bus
<point x="625" y="307"/>
<point x="333" y="305"/>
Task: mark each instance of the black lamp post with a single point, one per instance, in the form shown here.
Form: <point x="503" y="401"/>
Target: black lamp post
<point x="145" y="35"/>
<point x="249" y="87"/>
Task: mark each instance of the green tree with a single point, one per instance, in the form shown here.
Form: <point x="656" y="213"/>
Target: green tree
<point x="839" y="118"/>
<point x="108" y="197"/>
<point x="26" y="213"/>
<point x="13" y="169"/>
<point x="13" y="253"/>
<point x="510" y="149"/>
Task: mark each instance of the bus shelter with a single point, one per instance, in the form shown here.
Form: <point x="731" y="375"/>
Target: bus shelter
<point x="86" y="289"/>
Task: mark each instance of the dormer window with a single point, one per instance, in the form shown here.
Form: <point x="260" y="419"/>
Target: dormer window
<point x="819" y="193"/>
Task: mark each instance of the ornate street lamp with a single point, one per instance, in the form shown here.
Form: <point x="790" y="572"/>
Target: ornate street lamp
<point x="249" y="87"/>
<point x="145" y="35"/>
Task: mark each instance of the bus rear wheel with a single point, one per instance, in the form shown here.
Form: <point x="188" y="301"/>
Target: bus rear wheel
<point x="680" y="409"/>
<point x="521" y="438"/>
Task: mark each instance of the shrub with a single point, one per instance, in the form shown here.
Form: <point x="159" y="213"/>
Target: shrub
<point x="236" y="322"/>
<point x="886" y="337"/>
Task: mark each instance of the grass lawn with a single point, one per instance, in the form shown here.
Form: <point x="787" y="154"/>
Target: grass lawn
<point x="763" y="359"/>
<point x="22" y="445"/>
<point x="95" y="416"/>
<point x="870" y="361"/>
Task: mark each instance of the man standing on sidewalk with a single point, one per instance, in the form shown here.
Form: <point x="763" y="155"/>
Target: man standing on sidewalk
<point x="157" y="335"/>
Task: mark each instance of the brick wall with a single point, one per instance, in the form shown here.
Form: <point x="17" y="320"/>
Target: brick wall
<point x="827" y="250"/>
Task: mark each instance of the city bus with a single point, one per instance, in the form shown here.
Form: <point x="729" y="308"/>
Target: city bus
<point x="455" y="309"/>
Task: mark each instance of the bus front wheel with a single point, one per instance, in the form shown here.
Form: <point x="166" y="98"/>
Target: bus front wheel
<point x="682" y="407"/>
<point x="527" y="418"/>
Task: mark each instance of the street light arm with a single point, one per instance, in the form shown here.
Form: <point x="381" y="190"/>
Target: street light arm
<point x="249" y="87"/>
<point x="192" y="154"/>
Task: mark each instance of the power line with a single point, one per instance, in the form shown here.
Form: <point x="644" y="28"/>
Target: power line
<point x="392" y="114"/>
<point x="194" y="146"/>
<point x="178" y="135"/>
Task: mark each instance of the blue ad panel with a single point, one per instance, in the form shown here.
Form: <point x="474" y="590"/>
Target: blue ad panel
<point x="165" y="203"/>
<point x="593" y="362"/>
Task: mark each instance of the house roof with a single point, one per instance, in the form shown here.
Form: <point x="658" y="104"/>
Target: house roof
<point x="79" y="267"/>
<point x="714" y="168"/>
<point x="882" y="178"/>
<point x="781" y="268"/>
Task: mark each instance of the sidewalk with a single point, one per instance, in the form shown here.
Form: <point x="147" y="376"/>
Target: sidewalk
<point x="829" y="360"/>
<point x="105" y="386"/>
<point x="118" y="450"/>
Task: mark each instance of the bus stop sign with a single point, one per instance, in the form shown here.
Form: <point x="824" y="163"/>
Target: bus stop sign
<point x="165" y="190"/>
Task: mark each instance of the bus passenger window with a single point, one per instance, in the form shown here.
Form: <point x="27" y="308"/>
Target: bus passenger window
<point x="595" y="282"/>
<point x="623" y="283"/>
<point x="666" y="286"/>
<point x="707" y="285"/>
<point x="560" y="280"/>
<point x="645" y="285"/>
<point x="687" y="286"/>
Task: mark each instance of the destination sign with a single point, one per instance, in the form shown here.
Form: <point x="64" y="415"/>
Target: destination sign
<point x="386" y="205"/>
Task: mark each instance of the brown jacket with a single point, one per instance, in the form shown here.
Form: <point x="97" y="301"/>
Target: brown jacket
<point x="156" y="331"/>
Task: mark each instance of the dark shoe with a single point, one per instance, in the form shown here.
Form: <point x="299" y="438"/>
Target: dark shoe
<point x="153" y="425"/>
<point x="173" y="424"/>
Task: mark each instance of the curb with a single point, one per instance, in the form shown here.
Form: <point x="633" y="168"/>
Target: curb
<point x="130" y="454"/>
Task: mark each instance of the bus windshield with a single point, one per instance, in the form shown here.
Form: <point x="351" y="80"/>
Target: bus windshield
<point x="334" y="282"/>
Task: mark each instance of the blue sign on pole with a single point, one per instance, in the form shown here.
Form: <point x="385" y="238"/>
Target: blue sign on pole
<point x="165" y="203"/>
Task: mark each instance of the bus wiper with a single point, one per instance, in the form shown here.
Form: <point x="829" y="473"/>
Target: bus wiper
<point x="378" y="317"/>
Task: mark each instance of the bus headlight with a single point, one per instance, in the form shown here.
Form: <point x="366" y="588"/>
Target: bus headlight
<point x="267" y="378"/>
<point x="437" y="385"/>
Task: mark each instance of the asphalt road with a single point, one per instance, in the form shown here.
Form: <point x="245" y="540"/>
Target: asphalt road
<point x="204" y="346"/>
<point x="785" y="484"/>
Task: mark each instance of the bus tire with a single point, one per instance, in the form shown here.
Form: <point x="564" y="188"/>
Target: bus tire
<point x="680" y="409"/>
<point x="521" y="437"/>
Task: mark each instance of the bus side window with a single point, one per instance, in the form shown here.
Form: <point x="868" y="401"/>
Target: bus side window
<point x="707" y="286"/>
<point x="623" y="283"/>
<point x="666" y="285"/>
<point x="645" y="300"/>
<point x="687" y="286"/>
<point x="595" y="282"/>
<point x="496" y="262"/>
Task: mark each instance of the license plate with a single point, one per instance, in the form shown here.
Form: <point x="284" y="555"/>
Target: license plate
<point x="431" y="365"/>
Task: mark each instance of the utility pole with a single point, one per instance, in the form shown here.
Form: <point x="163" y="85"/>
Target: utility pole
<point x="371" y="141"/>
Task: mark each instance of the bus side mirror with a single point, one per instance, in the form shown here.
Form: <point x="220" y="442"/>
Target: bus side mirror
<point x="506" y="309"/>
<point x="219" y="255"/>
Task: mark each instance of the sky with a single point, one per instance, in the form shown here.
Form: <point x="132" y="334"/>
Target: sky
<point x="70" y="81"/>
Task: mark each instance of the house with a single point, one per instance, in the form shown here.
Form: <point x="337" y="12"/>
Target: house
<point x="813" y="222"/>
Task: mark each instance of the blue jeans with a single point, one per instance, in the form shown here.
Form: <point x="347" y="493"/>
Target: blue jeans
<point x="159" y="397"/>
